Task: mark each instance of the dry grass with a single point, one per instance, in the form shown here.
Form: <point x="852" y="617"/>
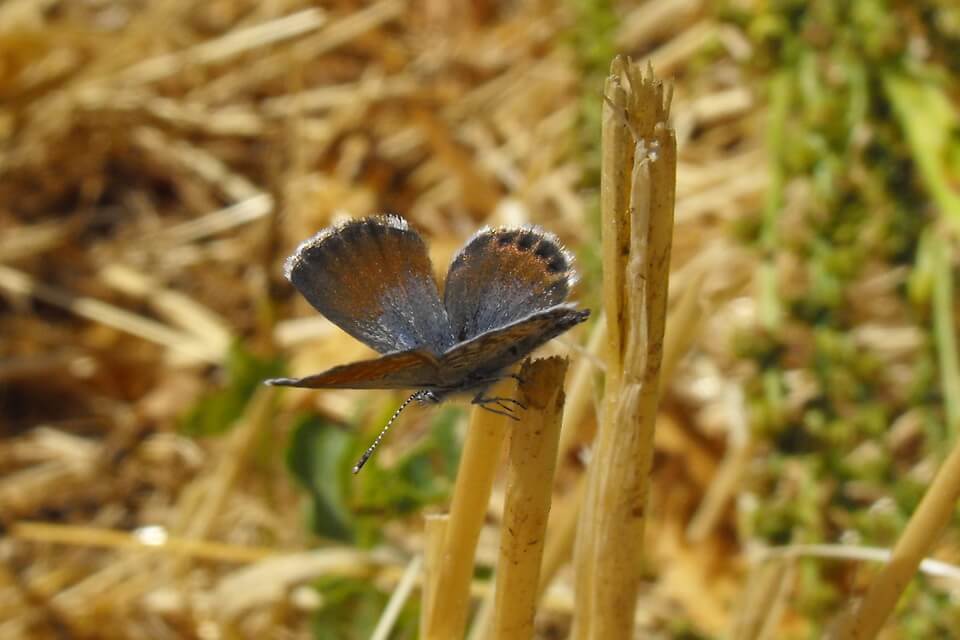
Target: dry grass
<point x="157" y="162"/>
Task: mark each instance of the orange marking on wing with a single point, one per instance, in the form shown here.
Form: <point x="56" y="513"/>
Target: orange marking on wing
<point x="403" y="370"/>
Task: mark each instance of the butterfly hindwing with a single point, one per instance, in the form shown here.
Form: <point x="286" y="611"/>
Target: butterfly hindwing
<point x="505" y="275"/>
<point x="372" y="277"/>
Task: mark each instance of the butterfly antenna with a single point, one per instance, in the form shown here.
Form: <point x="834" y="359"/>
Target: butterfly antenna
<point x="369" y="452"/>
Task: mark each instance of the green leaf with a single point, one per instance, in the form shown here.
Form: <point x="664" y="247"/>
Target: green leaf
<point x="354" y="508"/>
<point x="414" y="480"/>
<point x="930" y="122"/>
<point x="217" y="411"/>
<point x="318" y="459"/>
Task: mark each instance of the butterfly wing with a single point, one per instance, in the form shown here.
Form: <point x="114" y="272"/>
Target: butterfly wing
<point x="490" y="352"/>
<point x="373" y="278"/>
<point x="505" y="275"/>
<point x="404" y="370"/>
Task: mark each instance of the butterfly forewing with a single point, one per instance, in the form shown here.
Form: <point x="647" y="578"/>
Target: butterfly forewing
<point x="491" y="352"/>
<point x="504" y="275"/>
<point x="373" y="278"/>
<point x="405" y="370"/>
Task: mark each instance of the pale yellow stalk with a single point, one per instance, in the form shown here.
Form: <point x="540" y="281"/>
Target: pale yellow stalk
<point x="434" y="538"/>
<point x="937" y="507"/>
<point x="637" y="203"/>
<point x="471" y="495"/>
<point x="531" y="464"/>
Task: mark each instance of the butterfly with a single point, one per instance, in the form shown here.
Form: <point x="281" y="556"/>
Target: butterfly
<point x="503" y="297"/>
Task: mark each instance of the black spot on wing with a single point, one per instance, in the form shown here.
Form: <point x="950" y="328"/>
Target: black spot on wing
<point x="502" y="275"/>
<point x="526" y="240"/>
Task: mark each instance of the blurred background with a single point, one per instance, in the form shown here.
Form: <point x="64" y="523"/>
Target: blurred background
<point x="159" y="159"/>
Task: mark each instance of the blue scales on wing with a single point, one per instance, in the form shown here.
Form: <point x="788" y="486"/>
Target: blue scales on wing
<point x="373" y="278"/>
<point x="504" y="275"/>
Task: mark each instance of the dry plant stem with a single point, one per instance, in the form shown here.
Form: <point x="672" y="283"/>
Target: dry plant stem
<point x="922" y="531"/>
<point x="580" y="396"/>
<point x="186" y="157"/>
<point x="113" y="539"/>
<point x="481" y="452"/>
<point x="332" y="35"/>
<point x="684" y="321"/>
<point x="272" y="579"/>
<point x="219" y="221"/>
<point x="938" y="503"/>
<point x="531" y="464"/>
<point x="225" y="47"/>
<point x="616" y="160"/>
<point x="19" y="283"/>
<point x="780" y="100"/>
<point x="948" y="574"/>
<point x="764" y="600"/>
<point x="608" y="555"/>
<point x="188" y="314"/>
<point x="480" y="629"/>
<point x="197" y="519"/>
<point x="198" y="507"/>
<point x="562" y="527"/>
<point x="397" y="599"/>
<point x="434" y="533"/>
<point x="726" y="480"/>
<point x="684" y="324"/>
<point x="558" y="545"/>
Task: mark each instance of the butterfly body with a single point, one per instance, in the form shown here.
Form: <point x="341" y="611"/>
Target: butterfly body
<point x="504" y="296"/>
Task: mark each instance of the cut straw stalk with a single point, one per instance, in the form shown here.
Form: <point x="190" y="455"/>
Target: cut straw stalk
<point x="765" y="598"/>
<point x="434" y="533"/>
<point x="558" y="543"/>
<point x="616" y="160"/>
<point x="922" y="531"/>
<point x="683" y="321"/>
<point x="580" y="399"/>
<point x="447" y="612"/>
<point x="638" y="187"/>
<point x="531" y="463"/>
<point x="562" y="526"/>
<point x="391" y="613"/>
<point x="937" y="506"/>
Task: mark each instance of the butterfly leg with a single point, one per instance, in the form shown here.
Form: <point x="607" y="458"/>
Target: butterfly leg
<point x="506" y="410"/>
<point x="500" y="401"/>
